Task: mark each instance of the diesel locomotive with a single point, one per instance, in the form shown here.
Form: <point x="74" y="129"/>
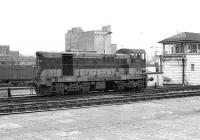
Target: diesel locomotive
<point x="83" y="72"/>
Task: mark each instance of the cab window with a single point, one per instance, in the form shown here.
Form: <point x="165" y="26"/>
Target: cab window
<point x="143" y="56"/>
<point x="139" y="56"/>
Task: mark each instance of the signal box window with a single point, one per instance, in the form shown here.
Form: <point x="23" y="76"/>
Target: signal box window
<point x="189" y="49"/>
<point x="194" y="48"/>
<point x="192" y="67"/>
<point x="177" y="48"/>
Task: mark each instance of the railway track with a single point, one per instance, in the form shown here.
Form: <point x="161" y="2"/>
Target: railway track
<point x="55" y="103"/>
<point x="29" y="98"/>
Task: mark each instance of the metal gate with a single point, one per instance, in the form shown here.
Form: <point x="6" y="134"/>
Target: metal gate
<point x="67" y="60"/>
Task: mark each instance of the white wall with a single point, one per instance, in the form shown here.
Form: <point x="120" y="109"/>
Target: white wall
<point x="192" y="77"/>
<point x="172" y="69"/>
<point x="151" y="68"/>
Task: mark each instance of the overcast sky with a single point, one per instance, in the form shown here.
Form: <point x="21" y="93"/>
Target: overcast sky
<point x="40" y="25"/>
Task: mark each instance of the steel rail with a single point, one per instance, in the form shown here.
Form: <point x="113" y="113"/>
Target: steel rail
<point x="87" y="102"/>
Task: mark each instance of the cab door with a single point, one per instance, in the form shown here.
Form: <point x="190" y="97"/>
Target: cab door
<point x="67" y="61"/>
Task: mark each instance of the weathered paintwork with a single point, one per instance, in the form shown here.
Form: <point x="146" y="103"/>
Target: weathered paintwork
<point x="68" y="68"/>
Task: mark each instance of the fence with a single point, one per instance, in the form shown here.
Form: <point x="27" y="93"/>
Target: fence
<point x="10" y="89"/>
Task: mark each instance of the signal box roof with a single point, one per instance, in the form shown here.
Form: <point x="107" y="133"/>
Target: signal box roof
<point x="182" y="37"/>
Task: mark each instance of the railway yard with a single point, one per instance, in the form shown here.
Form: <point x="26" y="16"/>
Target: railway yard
<point x="108" y="116"/>
<point x="96" y="96"/>
<point x="117" y="83"/>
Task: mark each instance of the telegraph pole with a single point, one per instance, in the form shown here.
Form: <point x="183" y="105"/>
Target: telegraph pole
<point x="183" y="72"/>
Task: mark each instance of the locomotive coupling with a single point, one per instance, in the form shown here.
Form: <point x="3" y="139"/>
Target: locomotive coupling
<point x="150" y="79"/>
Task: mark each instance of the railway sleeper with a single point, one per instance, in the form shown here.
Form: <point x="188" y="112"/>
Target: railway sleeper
<point x="5" y="110"/>
<point x="53" y="104"/>
<point x="44" y="107"/>
<point x="79" y="103"/>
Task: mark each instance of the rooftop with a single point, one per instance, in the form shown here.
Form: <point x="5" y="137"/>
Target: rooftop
<point x="129" y="51"/>
<point x="182" y="37"/>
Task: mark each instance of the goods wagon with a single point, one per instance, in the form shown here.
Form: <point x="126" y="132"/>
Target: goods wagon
<point x="10" y="73"/>
<point x="78" y="72"/>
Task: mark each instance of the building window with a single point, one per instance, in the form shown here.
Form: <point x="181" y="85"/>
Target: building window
<point x="177" y="48"/>
<point x="173" y="49"/>
<point x="189" y="50"/>
<point x="182" y="48"/>
<point x="192" y="67"/>
<point x="194" y="48"/>
<point x="198" y="48"/>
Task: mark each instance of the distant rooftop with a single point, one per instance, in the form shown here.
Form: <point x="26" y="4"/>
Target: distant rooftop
<point x="129" y="51"/>
<point x="182" y="37"/>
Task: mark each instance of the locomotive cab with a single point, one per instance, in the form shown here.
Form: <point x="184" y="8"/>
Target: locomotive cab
<point x="137" y="67"/>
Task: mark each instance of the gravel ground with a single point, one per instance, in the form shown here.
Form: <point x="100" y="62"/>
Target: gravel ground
<point x="167" y="119"/>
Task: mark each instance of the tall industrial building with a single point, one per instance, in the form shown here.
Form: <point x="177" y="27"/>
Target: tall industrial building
<point x="4" y="50"/>
<point x="71" y="38"/>
<point x="113" y="48"/>
<point x="97" y="40"/>
<point x="14" y="57"/>
<point x="4" y="53"/>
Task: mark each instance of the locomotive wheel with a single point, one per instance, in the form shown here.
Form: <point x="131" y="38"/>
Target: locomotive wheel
<point x="115" y="87"/>
<point x="140" y="85"/>
<point x="140" y="88"/>
<point x="85" y="90"/>
<point x="119" y="87"/>
<point x="43" y="90"/>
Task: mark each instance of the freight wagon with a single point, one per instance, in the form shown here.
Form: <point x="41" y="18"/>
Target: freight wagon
<point x="78" y="72"/>
<point x="16" y="73"/>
